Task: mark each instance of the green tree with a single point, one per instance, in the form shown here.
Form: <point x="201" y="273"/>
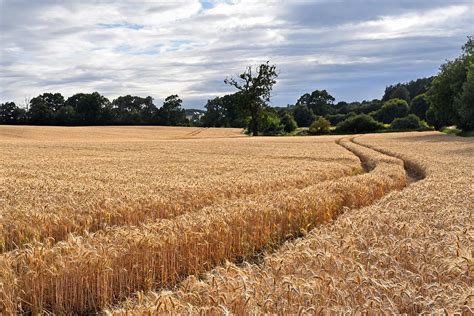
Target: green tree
<point x="410" y="122"/>
<point x="320" y="126"/>
<point x="465" y="102"/>
<point x="419" y="105"/>
<point x="447" y="90"/>
<point x="269" y="123"/>
<point x="401" y="92"/>
<point x="432" y="119"/>
<point x="89" y="107"/>
<point x="361" y="123"/>
<point x="66" y="115"/>
<point x="10" y="113"/>
<point x="391" y="110"/>
<point x="255" y="88"/>
<point x="414" y="87"/>
<point x="288" y="122"/>
<point x="43" y="108"/>
<point x="303" y="115"/>
<point x="224" y="112"/>
<point x="171" y="113"/>
<point x="133" y="109"/>
<point x="319" y="101"/>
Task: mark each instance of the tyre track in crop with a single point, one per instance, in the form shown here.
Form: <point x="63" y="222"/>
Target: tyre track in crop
<point x="258" y="258"/>
<point x="91" y="272"/>
<point x="415" y="171"/>
<point x="16" y="234"/>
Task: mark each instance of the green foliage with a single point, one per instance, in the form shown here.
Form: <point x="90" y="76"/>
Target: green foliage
<point x="391" y="110"/>
<point x="88" y="107"/>
<point x="288" y="122"/>
<point x="224" y="111"/>
<point x="44" y="107"/>
<point x="465" y="102"/>
<point x="254" y="92"/>
<point x="66" y="115"/>
<point x="450" y="95"/>
<point x="432" y="119"/>
<point x="270" y="124"/>
<point x="410" y="122"/>
<point x="133" y="110"/>
<point x="401" y="92"/>
<point x="303" y="115"/>
<point x="419" y="105"/>
<point x="414" y="87"/>
<point x="10" y="113"/>
<point x="361" y="123"/>
<point x="171" y="113"/>
<point x="335" y="119"/>
<point x="320" y="126"/>
<point x="319" y="101"/>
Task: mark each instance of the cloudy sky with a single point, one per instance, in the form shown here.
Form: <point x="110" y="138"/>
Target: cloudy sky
<point x="352" y="48"/>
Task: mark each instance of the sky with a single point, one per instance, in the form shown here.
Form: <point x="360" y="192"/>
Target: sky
<point x="353" y="49"/>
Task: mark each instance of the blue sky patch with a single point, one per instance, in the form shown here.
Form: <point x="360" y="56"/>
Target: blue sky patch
<point x="125" y="25"/>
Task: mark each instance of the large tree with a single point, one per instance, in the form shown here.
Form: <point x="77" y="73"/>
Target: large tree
<point x="391" y="110"/>
<point x="171" y="113"/>
<point x="319" y="101"/>
<point x="255" y="86"/>
<point x="133" y="109"/>
<point x="89" y="107"/>
<point x="419" y="105"/>
<point x="449" y="94"/>
<point x="43" y="108"/>
<point x="10" y="113"/>
<point x="224" y="112"/>
<point x="303" y="115"/>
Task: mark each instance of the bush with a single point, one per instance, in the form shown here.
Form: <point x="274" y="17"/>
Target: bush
<point x="410" y="122"/>
<point x="303" y="115"/>
<point x="288" y="122"/>
<point x="320" y="126"/>
<point x="335" y="119"/>
<point x="270" y="124"/>
<point x="362" y="123"/>
<point x="391" y="110"/>
<point x="419" y="105"/>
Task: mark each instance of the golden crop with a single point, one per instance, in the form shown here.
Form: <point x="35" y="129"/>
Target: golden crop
<point x="94" y="216"/>
<point x="412" y="252"/>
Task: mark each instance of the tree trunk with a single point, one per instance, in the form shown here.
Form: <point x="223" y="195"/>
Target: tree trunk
<point x="254" y="123"/>
<point x="254" y="127"/>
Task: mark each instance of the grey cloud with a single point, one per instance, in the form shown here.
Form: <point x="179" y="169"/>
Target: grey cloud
<point x="60" y="46"/>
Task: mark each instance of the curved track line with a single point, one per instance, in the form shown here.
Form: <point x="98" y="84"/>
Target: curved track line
<point x="82" y="282"/>
<point x="414" y="170"/>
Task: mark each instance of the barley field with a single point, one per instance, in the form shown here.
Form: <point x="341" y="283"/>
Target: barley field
<point x="153" y="220"/>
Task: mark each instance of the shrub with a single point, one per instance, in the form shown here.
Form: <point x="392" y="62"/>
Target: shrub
<point x="391" y="110"/>
<point x="419" y="105"/>
<point x="362" y="123"/>
<point x="303" y="115"/>
<point x="320" y="126"/>
<point x="270" y="123"/>
<point x="288" y="122"/>
<point x="335" y="119"/>
<point x="406" y="123"/>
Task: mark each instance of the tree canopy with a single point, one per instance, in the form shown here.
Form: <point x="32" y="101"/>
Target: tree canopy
<point x="255" y="87"/>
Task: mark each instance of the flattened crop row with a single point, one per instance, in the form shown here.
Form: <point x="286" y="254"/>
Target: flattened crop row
<point x="88" y="273"/>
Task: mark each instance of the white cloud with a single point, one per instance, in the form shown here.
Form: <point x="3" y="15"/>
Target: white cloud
<point x="189" y="47"/>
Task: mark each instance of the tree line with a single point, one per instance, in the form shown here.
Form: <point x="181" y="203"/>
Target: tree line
<point x="94" y="109"/>
<point x="443" y="100"/>
<point x="435" y="102"/>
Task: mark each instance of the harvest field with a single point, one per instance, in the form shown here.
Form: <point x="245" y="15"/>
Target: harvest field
<point x="149" y="220"/>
